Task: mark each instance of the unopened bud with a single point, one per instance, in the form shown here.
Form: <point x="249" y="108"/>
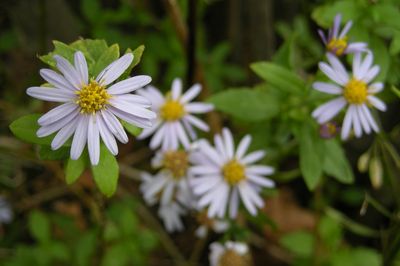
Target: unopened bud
<point x="376" y="172"/>
<point x="362" y="163"/>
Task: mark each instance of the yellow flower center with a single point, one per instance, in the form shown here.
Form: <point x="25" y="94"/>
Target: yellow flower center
<point x="172" y="110"/>
<point x="231" y="258"/>
<point x="337" y="46"/>
<point x="355" y="91"/>
<point x="92" y="97"/>
<point x="233" y="172"/>
<point x="177" y="162"/>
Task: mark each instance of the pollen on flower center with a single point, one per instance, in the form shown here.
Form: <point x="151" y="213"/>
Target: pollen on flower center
<point x="355" y="91"/>
<point x="231" y="258"/>
<point x="337" y="46"/>
<point x="177" y="162"/>
<point x="233" y="172"/>
<point x="92" y="97"/>
<point x="172" y="110"/>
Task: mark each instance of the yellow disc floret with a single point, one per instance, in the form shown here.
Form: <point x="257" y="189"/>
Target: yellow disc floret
<point x="92" y="97"/>
<point x="176" y="162"/>
<point x="233" y="172"/>
<point x="172" y="110"/>
<point x="231" y="258"/>
<point x="355" y="91"/>
<point x="337" y="46"/>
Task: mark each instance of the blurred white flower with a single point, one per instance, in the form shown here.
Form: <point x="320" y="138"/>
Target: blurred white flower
<point x="223" y="176"/>
<point x="336" y="41"/>
<point x="90" y="108"/>
<point x="171" y="215"/>
<point x="171" y="182"/>
<point x="6" y="213"/>
<point x="175" y="120"/>
<point x="228" y="254"/>
<point x="206" y="224"/>
<point x="356" y="91"/>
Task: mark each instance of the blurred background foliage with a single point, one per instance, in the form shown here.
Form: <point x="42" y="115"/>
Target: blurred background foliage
<point x="350" y="219"/>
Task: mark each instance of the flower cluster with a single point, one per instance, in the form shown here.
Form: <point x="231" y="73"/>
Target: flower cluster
<point x="354" y="91"/>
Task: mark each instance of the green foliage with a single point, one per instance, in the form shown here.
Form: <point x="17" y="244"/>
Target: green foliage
<point x="74" y="168"/>
<point x="246" y="104"/>
<point x="106" y="173"/>
<point x="46" y="153"/>
<point x="335" y="162"/>
<point x="299" y="243"/>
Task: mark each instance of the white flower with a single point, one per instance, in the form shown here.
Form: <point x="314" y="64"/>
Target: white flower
<point x="171" y="216"/>
<point x="230" y="253"/>
<point x="171" y="182"/>
<point x="175" y="120"/>
<point x="206" y="224"/>
<point x="356" y="91"/>
<point x="6" y="213"/>
<point x="337" y="42"/>
<point x="90" y="106"/>
<point x="223" y="176"/>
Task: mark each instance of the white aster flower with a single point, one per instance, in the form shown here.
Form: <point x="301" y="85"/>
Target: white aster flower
<point x="171" y="182"/>
<point x="337" y="42"/>
<point x="356" y="91"/>
<point x="91" y="107"/>
<point x="174" y="120"/>
<point x="206" y="224"/>
<point x="171" y="216"/>
<point x="223" y="176"/>
<point x="230" y="253"/>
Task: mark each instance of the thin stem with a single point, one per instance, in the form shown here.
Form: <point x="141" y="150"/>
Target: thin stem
<point x="379" y="207"/>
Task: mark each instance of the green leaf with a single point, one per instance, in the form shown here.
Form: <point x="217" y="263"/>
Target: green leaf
<point x="39" y="226"/>
<point x="324" y="15"/>
<point x="134" y="130"/>
<point x="300" y="243"/>
<point x="279" y="77"/>
<point x="61" y="49"/>
<point x="330" y="231"/>
<point x="335" y="162"/>
<point x="246" y="104"/>
<point x="106" y="173"/>
<point x="85" y="247"/>
<point x="46" y="153"/>
<point x="381" y="56"/>
<point x="396" y="91"/>
<point x="356" y="257"/>
<point x="109" y="56"/>
<point x="25" y="129"/>
<point x="137" y="55"/>
<point x="75" y="168"/>
<point x="310" y="157"/>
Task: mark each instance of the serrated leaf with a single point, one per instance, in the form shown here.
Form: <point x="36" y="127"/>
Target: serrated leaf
<point x="335" y="162"/>
<point x="75" y="168"/>
<point x="46" y="153"/>
<point x="246" y="104"/>
<point x="39" y="226"/>
<point x="134" y="130"/>
<point x="310" y="158"/>
<point x="106" y="173"/>
<point x="279" y="77"/>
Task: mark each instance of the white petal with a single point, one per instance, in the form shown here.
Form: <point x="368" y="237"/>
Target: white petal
<point x="132" y="109"/>
<point x="182" y="135"/>
<point x="211" y="153"/>
<point x="80" y="137"/>
<point x="53" y="127"/>
<point x="191" y="93"/>
<point x="115" y="69"/>
<point x="260" y="170"/>
<point x="130" y="118"/>
<point x="114" y="125"/>
<point x="176" y="88"/>
<point x="345" y="29"/>
<point x="329" y="110"/>
<point x="356" y="47"/>
<point x="93" y="140"/>
<point x="167" y="194"/>
<point x="81" y="67"/>
<point x="336" y="25"/>
<point x="149" y="131"/>
<point x="253" y="157"/>
<point x="204" y="170"/>
<point x="375" y="87"/>
<point x="50" y="94"/>
<point x="220" y="146"/>
<point x="207" y="183"/>
<point x="338" y="67"/>
<point x="356" y="121"/>
<point x="198" y="108"/>
<point x="68" y="71"/>
<point x="129" y="85"/>
<point x="234" y="203"/>
<point x="332" y="74"/>
<point x="228" y="141"/>
<point x="377" y="103"/>
<point x="243" y="146"/>
<point x="197" y="122"/>
<point x="366" y="64"/>
<point x="369" y="117"/>
<point x="152" y="94"/>
<point x="63" y="135"/>
<point x="106" y="135"/>
<point x="371" y="74"/>
<point x="363" y="120"/>
<point x="261" y="181"/>
<point x="56" y="80"/>
<point x="356" y="65"/>
<point x="57" y="113"/>
<point x="158" y="137"/>
<point x="327" y="88"/>
<point x="246" y="199"/>
<point x="133" y="99"/>
<point x="346" y="124"/>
